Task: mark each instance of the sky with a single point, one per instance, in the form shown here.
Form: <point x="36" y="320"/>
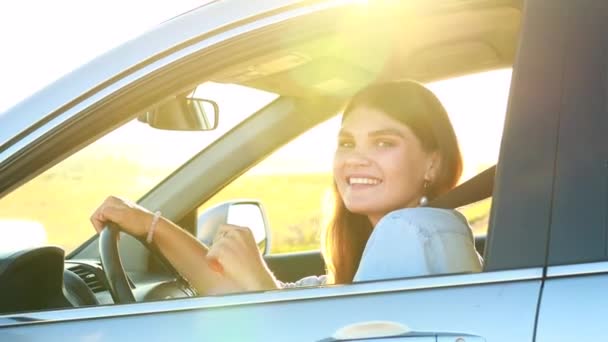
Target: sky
<point x="43" y="40"/>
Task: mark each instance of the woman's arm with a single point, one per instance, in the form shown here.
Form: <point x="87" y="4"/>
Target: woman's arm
<point x="242" y="267"/>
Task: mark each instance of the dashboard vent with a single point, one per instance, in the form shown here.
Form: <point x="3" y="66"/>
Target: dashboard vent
<point x="90" y="277"/>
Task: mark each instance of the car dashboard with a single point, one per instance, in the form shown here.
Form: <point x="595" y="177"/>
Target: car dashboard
<point x="40" y="279"/>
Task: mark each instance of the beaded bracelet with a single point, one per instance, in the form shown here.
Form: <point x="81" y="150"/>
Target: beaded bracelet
<point x="153" y="226"/>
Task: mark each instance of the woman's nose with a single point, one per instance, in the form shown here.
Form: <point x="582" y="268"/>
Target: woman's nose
<point x="357" y="158"/>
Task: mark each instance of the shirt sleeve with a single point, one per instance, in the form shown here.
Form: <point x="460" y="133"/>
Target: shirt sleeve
<point x="416" y="242"/>
<point x="305" y="282"/>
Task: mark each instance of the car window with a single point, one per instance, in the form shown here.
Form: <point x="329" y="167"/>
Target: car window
<point x="54" y="207"/>
<point x="301" y="170"/>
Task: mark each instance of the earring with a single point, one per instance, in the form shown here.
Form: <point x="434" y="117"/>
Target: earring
<point x="424" y="200"/>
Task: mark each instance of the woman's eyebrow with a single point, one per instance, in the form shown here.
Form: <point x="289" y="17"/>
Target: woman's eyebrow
<point x="343" y="133"/>
<point x="388" y="131"/>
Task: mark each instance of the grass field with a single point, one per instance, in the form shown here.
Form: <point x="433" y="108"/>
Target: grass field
<point x="62" y="199"/>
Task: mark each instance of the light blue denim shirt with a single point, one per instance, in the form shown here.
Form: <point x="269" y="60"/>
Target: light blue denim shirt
<point x="414" y="242"/>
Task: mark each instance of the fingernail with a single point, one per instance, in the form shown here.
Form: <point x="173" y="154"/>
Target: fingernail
<point x="215" y="266"/>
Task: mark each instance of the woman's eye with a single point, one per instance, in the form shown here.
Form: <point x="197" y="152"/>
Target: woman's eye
<point x="384" y="143"/>
<point x="345" y="144"/>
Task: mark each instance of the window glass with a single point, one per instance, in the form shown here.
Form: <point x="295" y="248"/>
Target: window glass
<point x="294" y="183"/>
<point x="54" y="207"/>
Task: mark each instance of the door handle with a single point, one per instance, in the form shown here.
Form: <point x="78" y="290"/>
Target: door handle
<point x="392" y="331"/>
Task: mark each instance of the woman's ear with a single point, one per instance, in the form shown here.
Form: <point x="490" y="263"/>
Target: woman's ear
<point x="433" y="167"/>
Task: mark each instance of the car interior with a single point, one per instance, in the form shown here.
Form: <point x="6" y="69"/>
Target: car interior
<point x="314" y="63"/>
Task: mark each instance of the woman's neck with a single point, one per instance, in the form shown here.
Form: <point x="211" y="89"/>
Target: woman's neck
<point x="373" y="219"/>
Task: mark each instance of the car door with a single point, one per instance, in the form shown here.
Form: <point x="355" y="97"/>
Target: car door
<point x="499" y="304"/>
<point x="577" y="276"/>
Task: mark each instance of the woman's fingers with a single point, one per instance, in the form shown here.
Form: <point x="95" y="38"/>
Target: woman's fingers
<point x="220" y="255"/>
<point x="223" y="244"/>
<point x="106" y="212"/>
<point x="215" y="265"/>
<point x="234" y="254"/>
<point x="95" y="220"/>
<point x="229" y="238"/>
<point x="129" y="216"/>
<point x="98" y="219"/>
<point x="235" y="232"/>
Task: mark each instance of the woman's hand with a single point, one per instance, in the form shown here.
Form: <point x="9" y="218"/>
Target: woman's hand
<point x="132" y="218"/>
<point x="235" y="255"/>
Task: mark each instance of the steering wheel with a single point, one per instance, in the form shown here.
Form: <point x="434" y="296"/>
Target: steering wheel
<point x="115" y="273"/>
<point x="112" y="266"/>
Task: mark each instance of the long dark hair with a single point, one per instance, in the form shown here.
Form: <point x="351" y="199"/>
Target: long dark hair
<point x="412" y="104"/>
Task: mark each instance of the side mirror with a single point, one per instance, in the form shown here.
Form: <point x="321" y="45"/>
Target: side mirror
<point x="183" y="113"/>
<point x="244" y="213"/>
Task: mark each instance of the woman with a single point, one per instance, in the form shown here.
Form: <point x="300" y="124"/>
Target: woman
<point x="396" y="150"/>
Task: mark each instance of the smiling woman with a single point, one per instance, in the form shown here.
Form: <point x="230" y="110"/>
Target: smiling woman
<point x="396" y="150"/>
<point x="476" y="105"/>
<point x="403" y="127"/>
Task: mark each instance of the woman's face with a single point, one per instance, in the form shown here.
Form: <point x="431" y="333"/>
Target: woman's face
<point x="380" y="165"/>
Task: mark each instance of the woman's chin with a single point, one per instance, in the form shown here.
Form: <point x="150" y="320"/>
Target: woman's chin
<point x="362" y="208"/>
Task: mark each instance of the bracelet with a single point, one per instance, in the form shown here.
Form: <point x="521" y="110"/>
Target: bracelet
<point x="153" y="226"/>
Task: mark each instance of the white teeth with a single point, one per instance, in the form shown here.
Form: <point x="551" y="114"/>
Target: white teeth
<point x="369" y="181"/>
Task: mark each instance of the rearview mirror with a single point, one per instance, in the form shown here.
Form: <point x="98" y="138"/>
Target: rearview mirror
<point x="244" y="213"/>
<point x="183" y="113"/>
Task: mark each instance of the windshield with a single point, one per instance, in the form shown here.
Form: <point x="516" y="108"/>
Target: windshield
<point x="54" y="208"/>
